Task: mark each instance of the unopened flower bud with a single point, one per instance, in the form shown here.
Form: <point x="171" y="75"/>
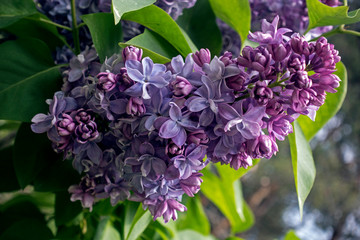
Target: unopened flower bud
<point x="173" y="150"/>
<point x="124" y="80"/>
<point x="201" y="57"/>
<point x="181" y="87"/>
<point x="262" y="94"/>
<point x="66" y="126"/>
<point x="132" y="53"/>
<point x="135" y="106"/>
<point x="301" y="79"/>
<point x="198" y="137"/>
<point x="107" y="81"/>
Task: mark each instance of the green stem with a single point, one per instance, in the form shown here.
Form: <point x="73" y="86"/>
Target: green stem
<point x="81" y="25"/>
<point x="51" y="23"/>
<point x="345" y="2"/>
<point x="75" y="28"/>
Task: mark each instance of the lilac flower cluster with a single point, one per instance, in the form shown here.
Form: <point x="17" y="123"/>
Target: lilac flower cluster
<point x="140" y="131"/>
<point x="293" y="15"/>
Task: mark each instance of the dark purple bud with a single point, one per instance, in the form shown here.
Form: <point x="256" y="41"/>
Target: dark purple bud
<point x="300" y="46"/>
<point x="258" y="59"/>
<point x="262" y="146"/>
<point x="280" y="126"/>
<point x="82" y="116"/>
<point x="325" y="82"/>
<point x="301" y="99"/>
<point x="181" y="87"/>
<point x="191" y="185"/>
<point x="107" y="81"/>
<point x="237" y="82"/>
<point x="86" y="132"/>
<point x="173" y="150"/>
<point x="201" y="57"/>
<point x="261" y="93"/>
<point x="241" y="159"/>
<point x="227" y="59"/>
<point x="135" y="106"/>
<point x="132" y="53"/>
<point x="325" y="58"/>
<point x="124" y="80"/>
<point x="274" y="107"/>
<point x="279" y="51"/>
<point x="296" y="62"/>
<point x="301" y="79"/>
<point x="66" y="126"/>
<point x="86" y="129"/>
<point x="198" y="137"/>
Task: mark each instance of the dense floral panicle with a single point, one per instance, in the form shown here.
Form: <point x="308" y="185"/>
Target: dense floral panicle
<point x="292" y="14"/>
<point x="139" y="130"/>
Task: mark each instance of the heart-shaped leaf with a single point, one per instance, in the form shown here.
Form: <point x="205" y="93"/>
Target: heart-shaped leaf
<point x="14" y="10"/>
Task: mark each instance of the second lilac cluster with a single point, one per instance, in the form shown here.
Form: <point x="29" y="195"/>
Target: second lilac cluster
<point x="140" y="131"/>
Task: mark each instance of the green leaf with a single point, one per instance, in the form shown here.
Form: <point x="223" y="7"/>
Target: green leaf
<point x="106" y="230"/>
<point x="236" y="13"/>
<point x="105" y="34"/>
<point x="234" y="238"/>
<point x="160" y="22"/>
<point x="14" y="10"/>
<point x="303" y="164"/>
<point x="194" y="215"/>
<point x="153" y="46"/>
<point x="290" y="235"/>
<point x="32" y="153"/>
<point x="65" y="210"/>
<point x="7" y="171"/>
<point x="331" y="106"/>
<point x="323" y="15"/>
<point x="120" y="7"/>
<point x="136" y="220"/>
<point x="57" y="176"/>
<point x="225" y="192"/>
<point x="28" y="78"/>
<point x="31" y="228"/>
<point x="189" y="234"/>
<point x="37" y="26"/>
<point x="203" y="35"/>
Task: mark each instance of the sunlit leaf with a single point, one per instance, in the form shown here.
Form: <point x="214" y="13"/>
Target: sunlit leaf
<point x="120" y="7"/>
<point x="331" y="106"/>
<point x="290" y="235"/>
<point x="236" y="13"/>
<point x="194" y="215"/>
<point x="160" y="22"/>
<point x="136" y="220"/>
<point x="303" y="164"/>
<point x="323" y="15"/>
<point x="225" y="193"/>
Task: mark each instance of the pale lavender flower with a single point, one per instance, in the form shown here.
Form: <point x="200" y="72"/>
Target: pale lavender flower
<point x="145" y="74"/>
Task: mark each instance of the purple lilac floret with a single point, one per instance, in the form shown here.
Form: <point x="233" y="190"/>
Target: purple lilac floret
<point x="140" y="131"/>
